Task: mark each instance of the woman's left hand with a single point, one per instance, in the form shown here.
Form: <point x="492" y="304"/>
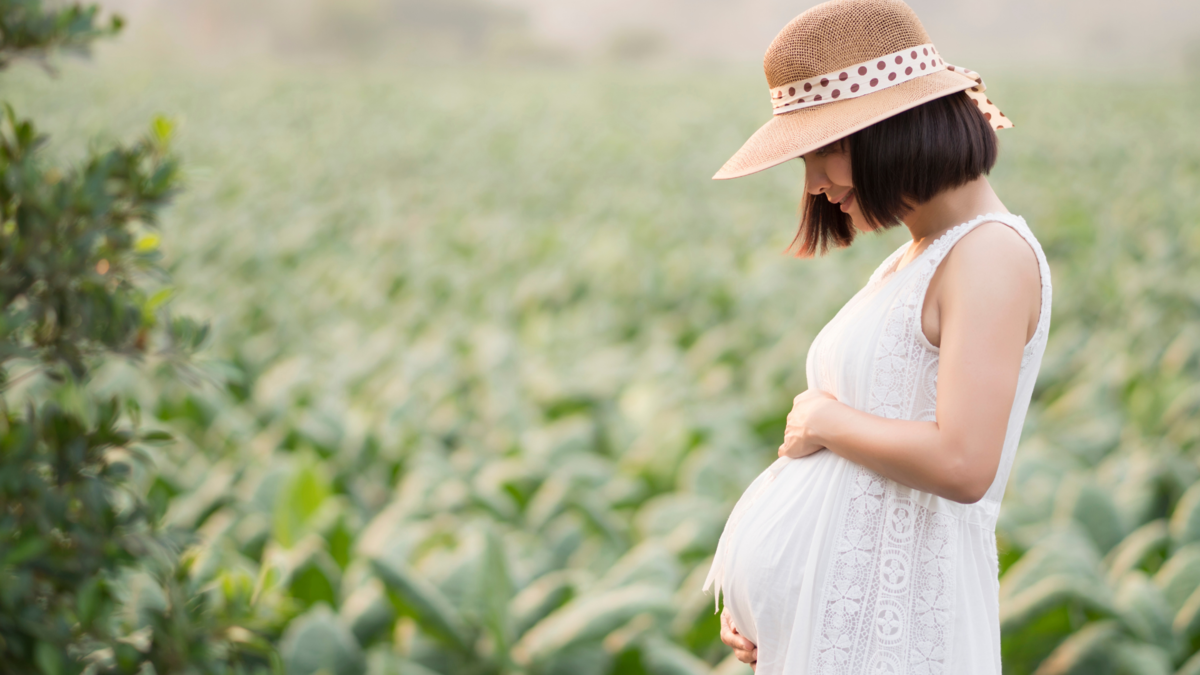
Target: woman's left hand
<point x="799" y="439"/>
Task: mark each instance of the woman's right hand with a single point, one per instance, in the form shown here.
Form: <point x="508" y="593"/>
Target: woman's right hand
<point x="745" y="650"/>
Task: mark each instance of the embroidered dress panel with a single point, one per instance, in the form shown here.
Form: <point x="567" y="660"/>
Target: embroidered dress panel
<point x="832" y="569"/>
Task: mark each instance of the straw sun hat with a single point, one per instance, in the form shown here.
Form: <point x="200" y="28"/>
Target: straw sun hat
<point x="842" y="66"/>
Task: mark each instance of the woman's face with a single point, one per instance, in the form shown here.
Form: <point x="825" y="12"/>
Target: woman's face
<point x="827" y="171"/>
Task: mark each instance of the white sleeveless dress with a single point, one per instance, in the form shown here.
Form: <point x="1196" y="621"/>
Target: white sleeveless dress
<point x="832" y="569"/>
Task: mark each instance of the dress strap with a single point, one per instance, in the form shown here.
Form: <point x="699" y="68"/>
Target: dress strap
<point x="941" y="246"/>
<point x="932" y="257"/>
<point x="1043" y="327"/>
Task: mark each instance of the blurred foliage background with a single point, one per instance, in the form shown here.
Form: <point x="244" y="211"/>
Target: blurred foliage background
<point x="489" y="357"/>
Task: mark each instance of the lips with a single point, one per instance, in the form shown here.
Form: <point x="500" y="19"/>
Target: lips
<point x="846" y="201"/>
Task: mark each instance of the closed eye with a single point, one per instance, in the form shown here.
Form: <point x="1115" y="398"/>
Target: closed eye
<point x="830" y="148"/>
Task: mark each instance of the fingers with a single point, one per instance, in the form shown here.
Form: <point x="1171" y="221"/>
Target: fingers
<point x="812" y="393"/>
<point x="746" y="656"/>
<point x="728" y="632"/>
<point x="808" y="394"/>
<point x="789" y="442"/>
<point x="735" y="640"/>
<point x="799" y="450"/>
<point x="743" y="649"/>
<point x="792" y="446"/>
<point x="728" y="635"/>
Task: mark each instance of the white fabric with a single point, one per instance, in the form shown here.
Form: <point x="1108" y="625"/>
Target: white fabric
<point x="832" y="569"/>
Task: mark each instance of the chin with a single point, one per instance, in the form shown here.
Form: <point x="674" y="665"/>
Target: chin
<point x="860" y="223"/>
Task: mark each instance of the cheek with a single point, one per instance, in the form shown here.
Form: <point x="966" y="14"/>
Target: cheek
<point x="838" y="170"/>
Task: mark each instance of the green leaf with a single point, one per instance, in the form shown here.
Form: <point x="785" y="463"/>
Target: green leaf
<point x="156" y="437"/>
<point x="315" y="579"/>
<point x="317" y="642"/>
<point x="25" y="550"/>
<point x="1134" y="658"/>
<point x="1185" y="520"/>
<point x="497" y="592"/>
<point x="407" y="667"/>
<point x="303" y="493"/>
<point x="731" y="666"/>
<point x="588" y="619"/>
<point x="49" y="659"/>
<point x="159" y="298"/>
<point x="1187" y="620"/>
<point x="1084" y="502"/>
<point x="649" y="562"/>
<point x="190" y="509"/>
<point x="421" y="600"/>
<point x="1180" y="575"/>
<point x="162" y="129"/>
<point x="147" y="243"/>
<point x="1067" y="553"/>
<point x="1191" y="666"/>
<point x="91" y="594"/>
<point x="1049" y="593"/>
<point x="665" y="658"/>
<point x="1086" y="652"/>
<point x="1142" y="607"/>
<point x="1142" y="544"/>
<point x="145" y="597"/>
<point x="544" y="595"/>
<point x="368" y="612"/>
<point x="591" y="659"/>
<point x="696" y="624"/>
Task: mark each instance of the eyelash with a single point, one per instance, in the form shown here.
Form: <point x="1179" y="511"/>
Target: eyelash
<point x="829" y="149"/>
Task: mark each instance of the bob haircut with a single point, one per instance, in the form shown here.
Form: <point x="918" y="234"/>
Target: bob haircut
<point x="898" y="163"/>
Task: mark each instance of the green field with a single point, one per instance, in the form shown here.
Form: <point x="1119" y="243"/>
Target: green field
<point x="497" y="358"/>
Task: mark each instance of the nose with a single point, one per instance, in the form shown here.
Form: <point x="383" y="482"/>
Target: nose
<point x="815" y="180"/>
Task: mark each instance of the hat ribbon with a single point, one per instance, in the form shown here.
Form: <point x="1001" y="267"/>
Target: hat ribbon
<point x="879" y="73"/>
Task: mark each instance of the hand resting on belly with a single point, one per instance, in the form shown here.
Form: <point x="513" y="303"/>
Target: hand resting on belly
<point x="743" y="649"/>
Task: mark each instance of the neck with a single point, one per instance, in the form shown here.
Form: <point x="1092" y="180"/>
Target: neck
<point x="951" y="207"/>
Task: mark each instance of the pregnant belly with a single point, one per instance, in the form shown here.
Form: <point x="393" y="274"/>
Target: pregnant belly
<point x="772" y="544"/>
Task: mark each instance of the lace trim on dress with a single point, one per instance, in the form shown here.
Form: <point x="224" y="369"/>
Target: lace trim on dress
<point x="887" y="602"/>
<point x="886" y="605"/>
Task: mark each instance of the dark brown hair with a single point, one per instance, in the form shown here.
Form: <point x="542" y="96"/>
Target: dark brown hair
<point x="900" y="162"/>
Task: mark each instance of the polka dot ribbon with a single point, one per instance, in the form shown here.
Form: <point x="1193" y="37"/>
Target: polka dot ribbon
<point x="880" y="73"/>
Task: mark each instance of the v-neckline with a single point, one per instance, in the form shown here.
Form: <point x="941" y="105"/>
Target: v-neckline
<point x="894" y="268"/>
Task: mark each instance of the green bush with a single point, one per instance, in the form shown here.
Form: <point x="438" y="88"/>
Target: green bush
<point x="87" y="576"/>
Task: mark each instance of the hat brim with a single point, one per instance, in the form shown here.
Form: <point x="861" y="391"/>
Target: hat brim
<point x="793" y="134"/>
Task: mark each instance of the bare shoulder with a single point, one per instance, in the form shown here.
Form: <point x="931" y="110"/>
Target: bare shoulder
<point x="995" y="254"/>
<point x="990" y="278"/>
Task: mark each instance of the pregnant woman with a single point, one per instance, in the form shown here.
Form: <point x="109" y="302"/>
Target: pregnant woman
<point x="869" y="545"/>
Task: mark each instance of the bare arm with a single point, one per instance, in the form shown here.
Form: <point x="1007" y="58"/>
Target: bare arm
<point x="988" y="292"/>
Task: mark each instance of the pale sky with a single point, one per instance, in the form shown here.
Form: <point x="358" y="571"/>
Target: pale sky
<point x="1028" y="33"/>
<point x="1038" y="37"/>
